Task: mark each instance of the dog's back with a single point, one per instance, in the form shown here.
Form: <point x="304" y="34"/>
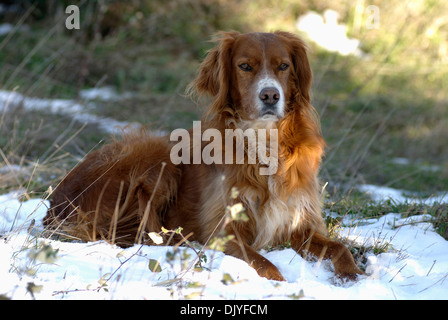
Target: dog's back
<point x="106" y="195"/>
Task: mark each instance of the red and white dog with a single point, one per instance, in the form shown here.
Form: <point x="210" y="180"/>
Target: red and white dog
<point x="255" y="80"/>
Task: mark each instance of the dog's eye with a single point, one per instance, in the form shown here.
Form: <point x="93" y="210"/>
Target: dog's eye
<point x="245" y="67"/>
<point x="283" y="67"/>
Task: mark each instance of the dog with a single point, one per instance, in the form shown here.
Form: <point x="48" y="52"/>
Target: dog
<point x="254" y="80"/>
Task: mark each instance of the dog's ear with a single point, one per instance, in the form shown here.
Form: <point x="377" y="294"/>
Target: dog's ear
<point x="302" y="68"/>
<point x="214" y="73"/>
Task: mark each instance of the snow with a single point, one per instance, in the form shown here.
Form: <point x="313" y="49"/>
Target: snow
<point x="103" y="93"/>
<point x="328" y="33"/>
<point x="74" y="109"/>
<point x="415" y="266"/>
<point x="5" y="28"/>
<point x="399" y="196"/>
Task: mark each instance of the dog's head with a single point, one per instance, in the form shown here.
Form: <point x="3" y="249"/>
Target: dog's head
<point x="256" y="75"/>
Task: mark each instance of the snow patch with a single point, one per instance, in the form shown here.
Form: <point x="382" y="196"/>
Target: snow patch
<point x="5" y="28"/>
<point x="378" y="193"/>
<point x="328" y="33"/>
<point x="415" y="266"/>
<point x="104" y="94"/>
<point x="71" y="108"/>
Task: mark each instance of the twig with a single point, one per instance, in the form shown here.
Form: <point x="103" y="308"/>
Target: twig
<point x="123" y="263"/>
<point x="397" y="272"/>
<point x="141" y="227"/>
<point x="113" y="226"/>
<point x="97" y="210"/>
<point x="431" y="267"/>
<point x="441" y="279"/>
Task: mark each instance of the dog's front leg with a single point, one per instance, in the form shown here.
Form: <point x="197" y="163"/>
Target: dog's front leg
<point x="324" y="248"/>
<point x="262" y="265"/>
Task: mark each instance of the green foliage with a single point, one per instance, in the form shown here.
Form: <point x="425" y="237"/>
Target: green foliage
<point x="219" y="242"/>
<point x="32" y="288"/>
<point x="44" y="253"/>
<point x="227" y="279"/>
<point x="154" y="265"/>
<point x="297" y="296"/>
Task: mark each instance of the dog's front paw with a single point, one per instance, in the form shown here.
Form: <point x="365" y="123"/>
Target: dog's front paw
<point x="269" y="271"/>
<point x="272" y="274"/>
<point x="347" y="271"/>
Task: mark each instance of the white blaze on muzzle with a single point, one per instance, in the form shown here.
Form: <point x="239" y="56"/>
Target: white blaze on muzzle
<point x="278" y="108"/>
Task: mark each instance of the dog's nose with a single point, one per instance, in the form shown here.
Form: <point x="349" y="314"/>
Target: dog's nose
<point x="269" y="96"/>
